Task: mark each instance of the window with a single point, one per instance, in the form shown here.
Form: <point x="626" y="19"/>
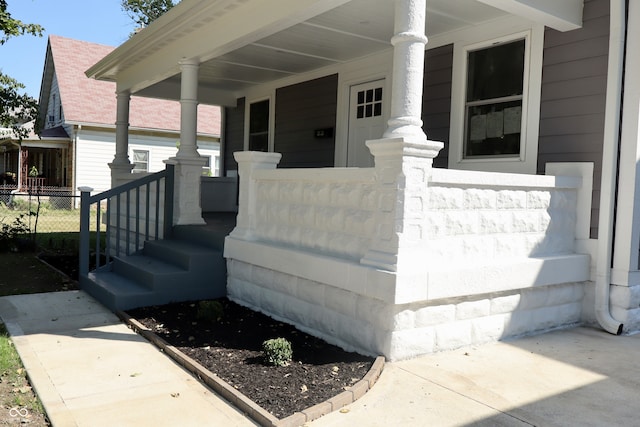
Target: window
<point x="369" y="103"/>
<point x="493" y="110"/>
<point x="207" y="170"/>
<point x="140" y="161"/>
<point x="495" y="97"/>
<point x="216" y="166"/>
<point x="259" y="126"/>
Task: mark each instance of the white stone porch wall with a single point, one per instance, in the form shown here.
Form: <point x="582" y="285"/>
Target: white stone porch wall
<point x="495" y="255"/>
<point x="329" y="211"/>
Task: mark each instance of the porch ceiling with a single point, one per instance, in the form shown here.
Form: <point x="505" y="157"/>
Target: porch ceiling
<point x="242" y="43"/>
<point x="355" y="29"/>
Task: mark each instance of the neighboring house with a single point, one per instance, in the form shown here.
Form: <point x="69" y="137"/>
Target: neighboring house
<point x="78" y="118"/>
<point x="395" y="243"/>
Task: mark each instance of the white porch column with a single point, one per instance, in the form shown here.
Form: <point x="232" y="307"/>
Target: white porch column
<point x="404" y="156"/>
<point x="188" y="162"/>
<point x="189" y="109"/>
<point x="408" y="71"/>
<point x="121" y="164"/>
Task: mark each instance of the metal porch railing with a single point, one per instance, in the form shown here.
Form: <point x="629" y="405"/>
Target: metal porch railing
<point x="130" y="213"/>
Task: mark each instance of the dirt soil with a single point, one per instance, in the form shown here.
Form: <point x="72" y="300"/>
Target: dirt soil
<point x="24" y="273"/>
<point x="232" y="349"/>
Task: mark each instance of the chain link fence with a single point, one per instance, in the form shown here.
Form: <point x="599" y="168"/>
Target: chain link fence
<point x="51" y="215"/>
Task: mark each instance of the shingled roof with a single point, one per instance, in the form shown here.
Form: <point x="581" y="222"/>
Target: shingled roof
<point x="89" y="101"/>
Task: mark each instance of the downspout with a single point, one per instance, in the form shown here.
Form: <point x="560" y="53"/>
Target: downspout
<point x="74" y="167"/>
<point x="610" y="167"/>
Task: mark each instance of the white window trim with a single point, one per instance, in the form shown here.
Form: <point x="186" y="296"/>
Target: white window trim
<point x="132" y="157"/>
<point x="526" y="162"/>
<point x="247" y="119"/>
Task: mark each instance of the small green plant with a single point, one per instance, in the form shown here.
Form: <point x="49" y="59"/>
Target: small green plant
<point x="277" y="351"/>
<point x="33" y="172"/>
<point x="11" y="235"/>
<point x="211" y="311"/>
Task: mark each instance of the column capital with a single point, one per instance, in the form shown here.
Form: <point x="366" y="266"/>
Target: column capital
<point x="189" y="62"/>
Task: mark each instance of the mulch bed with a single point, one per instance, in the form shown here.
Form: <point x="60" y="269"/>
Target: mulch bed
<point x="231" y="348"/>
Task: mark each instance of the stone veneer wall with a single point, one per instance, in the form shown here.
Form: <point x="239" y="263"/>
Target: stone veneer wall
<point x="372" y="326"/>
<point x="402" y="259"/>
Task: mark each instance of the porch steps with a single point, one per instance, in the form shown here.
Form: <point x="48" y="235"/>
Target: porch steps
<point x="116" y="291"/>
<point x="189" y="266"/>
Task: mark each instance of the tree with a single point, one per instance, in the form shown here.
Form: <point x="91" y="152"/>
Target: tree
<point x="15" y="108"/>
<point x="144" y="12"/>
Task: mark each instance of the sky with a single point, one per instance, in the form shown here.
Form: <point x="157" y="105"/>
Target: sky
<point x="96" y="21"/>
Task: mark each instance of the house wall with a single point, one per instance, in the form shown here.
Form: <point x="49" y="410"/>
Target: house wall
<point x="574" y="83"/>
<point x="300" y="110"/>
<point x="95" y="150"/>
<point x="233" y="135"/>
<point x="436" y="100"/>
<point x="54" y="117"/>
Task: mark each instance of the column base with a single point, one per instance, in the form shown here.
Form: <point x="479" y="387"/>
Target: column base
<point x="120" y="172"/>
<point x="186" y="195"/>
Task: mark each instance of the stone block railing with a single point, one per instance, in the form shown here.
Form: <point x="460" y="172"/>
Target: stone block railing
<point x="328" y="249"/>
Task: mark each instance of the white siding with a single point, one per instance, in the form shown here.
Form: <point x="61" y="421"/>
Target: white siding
<point x="95" y="150"/>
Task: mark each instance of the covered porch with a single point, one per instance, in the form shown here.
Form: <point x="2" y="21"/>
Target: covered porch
<point x="37" y="162"/>
<point x="232" y="53"/>
<point x="381" y="253"/>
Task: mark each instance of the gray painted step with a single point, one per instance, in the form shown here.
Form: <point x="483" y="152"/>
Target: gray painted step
<point x="115" y="291"/>
<point x="150" y="272"/>
<point x="189" y="266"/>
<point x="180" y="252"/>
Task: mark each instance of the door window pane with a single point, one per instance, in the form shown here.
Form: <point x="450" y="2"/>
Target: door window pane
<point x="369" y="103"/>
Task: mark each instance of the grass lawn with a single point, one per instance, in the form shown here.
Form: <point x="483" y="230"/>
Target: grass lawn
<point x="19" y="404"/>
<point x="56" y="230"/>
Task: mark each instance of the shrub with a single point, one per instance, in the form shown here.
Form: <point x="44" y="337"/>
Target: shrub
<point x="12" y="235"/>
<point x="211" y="311"/>
<point x="277" y="352"/>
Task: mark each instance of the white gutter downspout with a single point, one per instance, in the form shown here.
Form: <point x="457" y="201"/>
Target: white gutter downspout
<point x="610" y="167"/>
<point x="74" y="173"/>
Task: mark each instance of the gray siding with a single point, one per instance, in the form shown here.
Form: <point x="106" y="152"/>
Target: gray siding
<point x="574" y="82"/>
<point x="233" y="135"/>
<point x="436" y="101"/>
<point x="301" y="109"/>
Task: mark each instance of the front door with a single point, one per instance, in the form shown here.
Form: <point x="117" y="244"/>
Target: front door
<point x="365" y="121"/>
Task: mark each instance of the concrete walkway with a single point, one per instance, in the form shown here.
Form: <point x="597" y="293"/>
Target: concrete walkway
<point x="576" y="377"/>
<point x="91" y="370"/>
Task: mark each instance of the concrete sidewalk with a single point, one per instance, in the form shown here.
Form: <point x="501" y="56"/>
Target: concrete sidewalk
<point x="91" y="370"/>
<point x="576" y="377"/>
